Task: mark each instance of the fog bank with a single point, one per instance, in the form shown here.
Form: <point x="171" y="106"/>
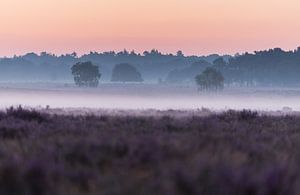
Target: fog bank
<point x="149" y="97"/>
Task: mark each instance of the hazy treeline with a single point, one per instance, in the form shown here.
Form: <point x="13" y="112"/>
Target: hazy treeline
<point x="273" y="67"/>
<point x="153" y="65"/>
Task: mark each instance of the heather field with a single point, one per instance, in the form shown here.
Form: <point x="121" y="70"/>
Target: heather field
<point x="235" y="152"/>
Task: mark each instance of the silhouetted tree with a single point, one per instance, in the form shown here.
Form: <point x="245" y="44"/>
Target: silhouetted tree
<point x="86" y="74"/>
<point x="126" y="73"/>
<point x="179" y="54"/>
<point x="210" y="79"/>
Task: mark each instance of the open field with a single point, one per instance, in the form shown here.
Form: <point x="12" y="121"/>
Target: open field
<point x="148" y="96"/>
<point x="221" y="154"/>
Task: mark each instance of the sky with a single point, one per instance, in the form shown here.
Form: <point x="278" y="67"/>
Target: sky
<point x="197" y="27"/>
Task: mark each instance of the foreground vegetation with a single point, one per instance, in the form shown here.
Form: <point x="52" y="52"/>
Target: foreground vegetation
<point x="229" y="153"/>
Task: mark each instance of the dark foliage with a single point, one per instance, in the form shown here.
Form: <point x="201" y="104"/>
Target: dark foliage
<point x="25" y="114"/>
<point x="210" y="79"/>
<point x="222" y="154"/>
<point x="126" y="73"/>
<point x="86" y="74"/>
<point x="273" y="67"/>
<point x="48" y="67"/>
<point x="219" y="62"/>
<point x="187" y="75"/>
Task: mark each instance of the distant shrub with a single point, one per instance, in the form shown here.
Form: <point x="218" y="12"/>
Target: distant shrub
<point x="210" y="80"/>
<point x="247" y="115"/>
<point x="25" y="114"/>
<point x="126" y="73"/>
<point x="86" y="74"/>
<point x="232" y="115"/>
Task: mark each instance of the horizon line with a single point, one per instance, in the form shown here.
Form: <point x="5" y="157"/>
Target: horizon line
<point x="75" y="53"/>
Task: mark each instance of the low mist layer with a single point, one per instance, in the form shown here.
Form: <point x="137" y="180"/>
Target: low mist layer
<point x="142" y="96"/>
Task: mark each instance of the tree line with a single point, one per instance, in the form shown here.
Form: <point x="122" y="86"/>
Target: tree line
<point x="274" y="67"/>
<point x="47" y="67"/>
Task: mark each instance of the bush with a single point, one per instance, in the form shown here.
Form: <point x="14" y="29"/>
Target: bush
<point x="210" y="79"/>
<point x="25" y="114"/>
<point x="126" y="73"/>
<point x="86" y="74"/>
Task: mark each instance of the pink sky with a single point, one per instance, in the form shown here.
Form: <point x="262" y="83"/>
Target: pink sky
<point x="194" y="26"/>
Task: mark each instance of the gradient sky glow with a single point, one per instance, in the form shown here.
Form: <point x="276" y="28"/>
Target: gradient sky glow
<point x="194" y="26"/>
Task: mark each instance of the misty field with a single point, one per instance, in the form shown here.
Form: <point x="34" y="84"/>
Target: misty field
<point x="235" y="152"/>
<point x="147" y="96"/>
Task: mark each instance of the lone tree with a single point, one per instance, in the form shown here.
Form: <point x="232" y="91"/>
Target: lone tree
<point x="86" y="74"/>
<point x="126" y="73"/>
<point x="210" y="79"/>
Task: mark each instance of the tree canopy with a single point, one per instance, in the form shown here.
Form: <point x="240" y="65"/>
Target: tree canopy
<point x="210" y="79"/>
<point x="86" y="74"/>
<point x="273" y="67"/>
<point x="187" y="75"/>
<point x="125" y="72"/>
<point x="219" y="62"/>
